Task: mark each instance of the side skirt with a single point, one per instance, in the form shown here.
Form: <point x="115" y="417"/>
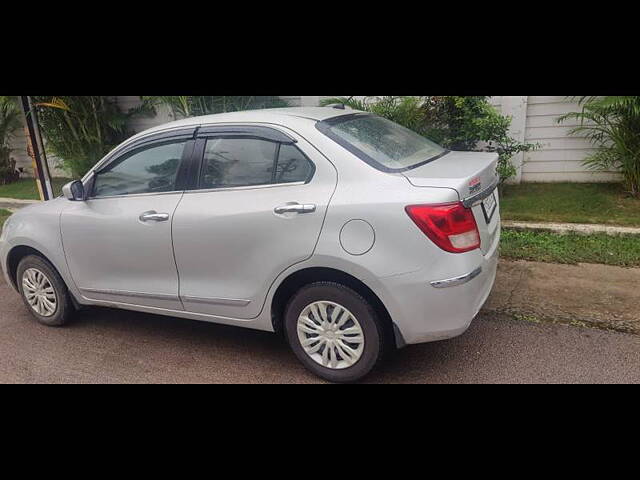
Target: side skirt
<point x="258" y="323"/>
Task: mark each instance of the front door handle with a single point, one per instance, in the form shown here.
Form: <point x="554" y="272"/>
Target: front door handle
<point x="153" y="216"/>
<point x="295" y="208"/>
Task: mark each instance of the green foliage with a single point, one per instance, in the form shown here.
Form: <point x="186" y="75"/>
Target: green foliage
<point x="9" y="123"/>
<point x="621" y="250"/>
<point x="9" y="118"/>
<point x="190" y="106"/>
<point x="80" y="130"/>
<point x="612" y="125"/>
<point x="455" y="122"/>
<point x="459" y="123"/>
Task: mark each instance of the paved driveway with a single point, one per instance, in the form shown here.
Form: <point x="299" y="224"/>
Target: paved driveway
<point x="105" y="345"/>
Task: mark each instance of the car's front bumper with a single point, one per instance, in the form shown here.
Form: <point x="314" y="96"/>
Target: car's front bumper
<point x="425" y="309"/>
<point x="4" y="247"/>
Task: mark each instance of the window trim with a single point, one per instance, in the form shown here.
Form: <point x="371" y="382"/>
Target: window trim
<point x="122" y="149"/>
<point x="246" y="131"/>
<point x="312" y="172"/>
<point x="181" y="173"/>
<point x="241" y="132"/>
<point x="245" y="187"/>
<point x="324" y="127"/>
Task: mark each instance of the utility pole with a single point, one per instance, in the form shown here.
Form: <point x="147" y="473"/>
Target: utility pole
<point x="37" y="149"/>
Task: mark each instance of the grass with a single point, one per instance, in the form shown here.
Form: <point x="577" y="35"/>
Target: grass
<point x="622" y="250"/>
<point x="26" y="189"/>
<point x="604" y="203"/>
<point x="4" y="214"/>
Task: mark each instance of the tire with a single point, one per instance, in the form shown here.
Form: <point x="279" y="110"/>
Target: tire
<point x="331" y="297"/>
<point x="63" y="310"/>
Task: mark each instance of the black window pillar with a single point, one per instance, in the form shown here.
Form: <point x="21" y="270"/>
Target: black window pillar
<point x="42" y="167"/>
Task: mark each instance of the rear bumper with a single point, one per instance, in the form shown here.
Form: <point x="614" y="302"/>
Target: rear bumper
<point x="426" y="310"/>
<point x="456" y="281"/>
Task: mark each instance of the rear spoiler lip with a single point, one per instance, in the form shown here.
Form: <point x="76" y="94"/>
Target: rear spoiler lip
<point x="479" y="197"/>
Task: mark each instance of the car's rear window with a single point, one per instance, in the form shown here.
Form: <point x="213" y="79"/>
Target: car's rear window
<point x="380" y="142"/>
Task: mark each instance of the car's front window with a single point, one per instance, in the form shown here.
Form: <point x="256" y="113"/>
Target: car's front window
<point x="147" y="170"/>
<point x="380" y="142"/>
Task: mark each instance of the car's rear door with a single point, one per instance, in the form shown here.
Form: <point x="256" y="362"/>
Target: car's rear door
<point x="256" y="208"/>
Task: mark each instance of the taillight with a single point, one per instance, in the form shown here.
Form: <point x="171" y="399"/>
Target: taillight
<point x="451" y="226"/>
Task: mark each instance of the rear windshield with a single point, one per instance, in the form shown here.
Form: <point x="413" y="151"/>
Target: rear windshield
<point x="383" y="144"/>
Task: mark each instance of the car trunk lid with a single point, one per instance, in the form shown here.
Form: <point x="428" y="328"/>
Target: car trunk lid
<point x="473" y="175"/>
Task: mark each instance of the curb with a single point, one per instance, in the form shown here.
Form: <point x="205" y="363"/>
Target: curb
<point x="18" y="201"/>
<point x="564" y="228"/>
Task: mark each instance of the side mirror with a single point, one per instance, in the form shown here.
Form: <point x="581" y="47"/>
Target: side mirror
<point x="74" y="191"/>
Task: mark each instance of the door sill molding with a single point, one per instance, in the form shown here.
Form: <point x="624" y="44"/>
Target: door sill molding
<point x="125" y="293"/>
<point x="235" y="302"/>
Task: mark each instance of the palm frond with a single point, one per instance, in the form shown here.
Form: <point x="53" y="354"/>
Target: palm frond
<point x="9" y="119"/>
<point x="10" y="122"/>
<point x="80" y="130"/>
<point x="55" y="103"/>
<point x="612" y="125"/>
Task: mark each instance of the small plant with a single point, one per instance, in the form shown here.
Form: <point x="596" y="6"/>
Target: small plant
<point x="80" y="130"/>
<point x="472" y="123"/>
<point x="9" y="123"/>
<point x="612" y="125"/>
<point x="191" y="106"/>
<point x="497" y="138"/>
<point x="455" y="122"/>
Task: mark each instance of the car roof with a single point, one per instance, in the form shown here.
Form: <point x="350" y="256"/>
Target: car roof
<point x="283" y="116"/>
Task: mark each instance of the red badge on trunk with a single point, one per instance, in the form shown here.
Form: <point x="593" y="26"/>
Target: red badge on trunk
<point x="475" y="185"/>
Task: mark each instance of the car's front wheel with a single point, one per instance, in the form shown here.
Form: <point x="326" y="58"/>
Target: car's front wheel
<point x="334" y="331"/>
<point x="43" y="291"/>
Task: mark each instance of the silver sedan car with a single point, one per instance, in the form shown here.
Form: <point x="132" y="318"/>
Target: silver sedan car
<point x="343" y="231"/>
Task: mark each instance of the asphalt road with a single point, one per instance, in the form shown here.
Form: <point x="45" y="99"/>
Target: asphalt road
<point x="115" y="346"/>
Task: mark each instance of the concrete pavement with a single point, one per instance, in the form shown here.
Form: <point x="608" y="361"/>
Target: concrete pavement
<point x="114" y="346"/>
<point x="604" y="296"/>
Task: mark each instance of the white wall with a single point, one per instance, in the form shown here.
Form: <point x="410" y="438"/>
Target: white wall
<point x="559" y="158"/>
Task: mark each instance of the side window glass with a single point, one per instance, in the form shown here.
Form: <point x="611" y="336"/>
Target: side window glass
<point x="151" y="170"/>
<point x="292" y="166"/>
<point x="237" y="162"/>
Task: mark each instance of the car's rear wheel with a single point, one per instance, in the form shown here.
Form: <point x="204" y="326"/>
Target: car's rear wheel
<point x="334" y="331"/>
<point x="43" y="291"/>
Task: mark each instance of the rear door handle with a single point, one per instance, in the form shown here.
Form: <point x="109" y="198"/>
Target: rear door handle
<point x="295" y="208"/>
<point x="153" y="216"/>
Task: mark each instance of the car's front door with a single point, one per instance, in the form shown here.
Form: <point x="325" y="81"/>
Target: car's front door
<point x="257" y="208"/>
<point x="118" y="242"/>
